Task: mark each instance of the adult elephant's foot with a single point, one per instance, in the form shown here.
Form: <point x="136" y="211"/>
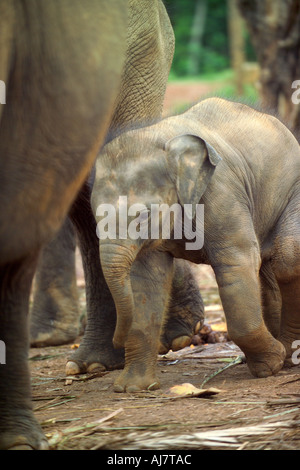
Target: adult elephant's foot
<point x="54" y="333"/>
<point x="94" y="357"/>
<point x="264" y="354"/>
<point x="20" y="431"/>
<point x="54" y="318"/>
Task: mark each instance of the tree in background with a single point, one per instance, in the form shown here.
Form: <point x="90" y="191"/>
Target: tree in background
<point x="237" y="44"/>
<point x="202" y="44"/>
<point x="195" y="46"/>
<point x="274" y="27"/>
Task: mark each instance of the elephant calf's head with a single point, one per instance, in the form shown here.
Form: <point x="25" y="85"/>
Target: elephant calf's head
<point x="140" y="175"/>
<point x="145" y="167"/>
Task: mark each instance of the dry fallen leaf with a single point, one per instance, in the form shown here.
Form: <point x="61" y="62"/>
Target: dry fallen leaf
<point x="189" y="390"/>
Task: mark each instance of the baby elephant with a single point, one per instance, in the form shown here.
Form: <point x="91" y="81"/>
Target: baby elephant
<point x="234" y="174"/>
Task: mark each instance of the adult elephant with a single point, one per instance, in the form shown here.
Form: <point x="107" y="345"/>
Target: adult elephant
<point x="149" y="54"/>
<point x="62" y="63"/>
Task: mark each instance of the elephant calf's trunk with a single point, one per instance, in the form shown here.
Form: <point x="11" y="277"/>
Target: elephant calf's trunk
<point x="116" y="263"/>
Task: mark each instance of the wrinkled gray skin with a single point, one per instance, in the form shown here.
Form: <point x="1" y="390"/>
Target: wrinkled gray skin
<point x="53" y="55"/>
<point x="149" y="54"/>
<point x="244" y="166"/>
<point x="150" y="47"/>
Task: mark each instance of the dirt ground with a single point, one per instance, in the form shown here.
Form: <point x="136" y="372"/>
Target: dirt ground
<point x="238" y="412"/>
<point x="180" y="95"/>
<point x="241" y="412"/>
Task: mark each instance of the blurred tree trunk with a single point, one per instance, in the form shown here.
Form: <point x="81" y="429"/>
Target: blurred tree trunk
<point x="236" y="39"/>
<point x="195" y="45"/>
<point x="274" y="27"/>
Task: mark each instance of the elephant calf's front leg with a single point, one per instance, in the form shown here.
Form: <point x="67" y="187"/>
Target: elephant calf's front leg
<point x="151" y="279"/>
<point x="141" y="350"/>
<point x="185" y="313"/>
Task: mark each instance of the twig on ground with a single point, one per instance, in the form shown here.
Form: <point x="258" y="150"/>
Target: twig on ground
<point x="237" y="360"/>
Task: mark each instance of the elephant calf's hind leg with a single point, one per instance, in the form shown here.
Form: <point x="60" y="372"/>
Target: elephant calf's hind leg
<point x="185" y="314"/>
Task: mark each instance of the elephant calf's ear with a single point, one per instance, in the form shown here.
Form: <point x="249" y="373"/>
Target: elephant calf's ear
<point x="195" y="162"/>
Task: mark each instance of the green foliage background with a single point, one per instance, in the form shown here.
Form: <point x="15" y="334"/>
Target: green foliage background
<point x="214" y="49"/>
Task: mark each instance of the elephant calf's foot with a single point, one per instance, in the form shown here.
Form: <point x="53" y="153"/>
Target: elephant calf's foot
<point x="88" y="359"/>
<point x="178" y="342"/>
<point x="185" y="314"/>
<point x="130" y="382"/>
<point x="264" y="355"/>
<point x="266" y="364"/>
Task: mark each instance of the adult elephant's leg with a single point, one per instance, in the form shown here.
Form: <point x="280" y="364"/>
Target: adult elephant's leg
<point x="185" y="314"/>
<point x="55" y="312"/>
<point x="18" y="426"/>
<point x="46" y="155"/>
<point x="96" y="349"/>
